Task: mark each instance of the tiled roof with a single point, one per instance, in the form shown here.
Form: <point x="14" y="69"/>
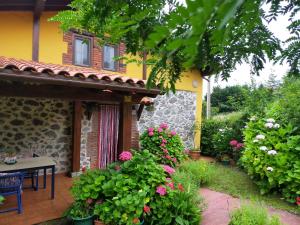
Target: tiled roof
<point x="65" y="70"/>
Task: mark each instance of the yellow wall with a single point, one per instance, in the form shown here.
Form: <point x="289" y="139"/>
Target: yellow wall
<point x="16" y="34"/>
<point x="52" y="46"/>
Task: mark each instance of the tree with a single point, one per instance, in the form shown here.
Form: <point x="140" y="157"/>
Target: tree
<point x="210" y="36"/>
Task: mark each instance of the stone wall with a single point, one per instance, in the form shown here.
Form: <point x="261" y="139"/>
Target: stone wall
<point x="178" y="110"/>
<point x="42" y="126"/>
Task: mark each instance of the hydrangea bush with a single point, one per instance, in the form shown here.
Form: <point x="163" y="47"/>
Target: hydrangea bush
<point x="272" y="157"/>
<point x="165" y="144"/>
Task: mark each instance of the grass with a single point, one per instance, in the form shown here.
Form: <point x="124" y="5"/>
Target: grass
<point x="233" y="181"/>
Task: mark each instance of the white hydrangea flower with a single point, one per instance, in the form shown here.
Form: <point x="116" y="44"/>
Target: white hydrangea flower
<point x="263" y="148"/>
<point x="272" y="152"/>
<point x="270" y="120"/>
<point x="255" y="141"/>
<point x="269" y="168"/>
<point x="269" y="125"/>
<point x="276" y="125"/>
<point x="221" y="130"/>
<point x="253" y="118"/>
<point x="260" y="137"/>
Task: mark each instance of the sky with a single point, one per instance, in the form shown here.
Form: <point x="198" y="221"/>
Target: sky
<point x="242" y="73"/>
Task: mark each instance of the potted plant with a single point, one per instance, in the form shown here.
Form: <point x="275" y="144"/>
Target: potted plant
<point x="80" y="213"/>
<point x="10" y="157"/>
<point x="195" y="151"/>
<point x="225" y="159"/>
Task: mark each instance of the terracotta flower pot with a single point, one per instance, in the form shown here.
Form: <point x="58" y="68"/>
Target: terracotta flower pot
<point x="98" y="222"/>
<point x="195" y="155"/>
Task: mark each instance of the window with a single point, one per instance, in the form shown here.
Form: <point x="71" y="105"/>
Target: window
<point x="109" y="53"/>
<point x="82" y="52"/>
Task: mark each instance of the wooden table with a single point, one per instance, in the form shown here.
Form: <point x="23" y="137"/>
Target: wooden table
<point x="36" y="163"/>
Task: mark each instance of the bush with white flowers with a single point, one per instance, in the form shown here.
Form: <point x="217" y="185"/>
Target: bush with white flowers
<point x="272" y="157"/>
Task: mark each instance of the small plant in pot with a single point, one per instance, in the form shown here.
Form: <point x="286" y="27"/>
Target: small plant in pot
<point x="81" y="213"/>
<point x="195" y="153"/>
<point x="11" y="157"/>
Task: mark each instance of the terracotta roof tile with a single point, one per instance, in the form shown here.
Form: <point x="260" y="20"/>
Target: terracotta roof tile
<point x="66" y="70"/>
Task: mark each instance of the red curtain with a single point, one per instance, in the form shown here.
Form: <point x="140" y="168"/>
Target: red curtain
<point x="108" y="121"/>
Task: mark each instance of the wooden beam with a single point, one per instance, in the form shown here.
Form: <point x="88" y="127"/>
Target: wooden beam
<point x="125" y="133"/>
<point x="39" y="7"/>
<point x="76" y="136"/>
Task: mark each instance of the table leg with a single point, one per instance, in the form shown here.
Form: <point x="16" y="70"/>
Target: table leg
<point x="52" y="182"/>
<point x="45" y="178"/>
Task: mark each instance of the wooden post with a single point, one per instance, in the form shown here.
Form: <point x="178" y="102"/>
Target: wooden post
<point x="76" y="136"/>
<point x="125" y="133"/>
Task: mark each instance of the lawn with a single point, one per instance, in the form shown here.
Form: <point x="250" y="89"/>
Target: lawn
<point x="234" y="181"/>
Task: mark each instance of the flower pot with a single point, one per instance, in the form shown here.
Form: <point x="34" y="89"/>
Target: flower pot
<point x="195" y="155"/>
<point x="83" y="221"/>
<point x="98" y="222"/>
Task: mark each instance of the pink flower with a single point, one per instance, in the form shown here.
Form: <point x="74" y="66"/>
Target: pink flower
<point x="233" y="143"/>
<point x="169" y="169"/>
<point x="298" y="201"/>
<point x="151" y="134"/>
<point x="163" y="145"/>
<point x="125" y="156"/>
<point x="168" y="179"/>
<point x="173" y="133"/>
<point x="171" y="185"/>
<point x="174" y="160"/>
<point x="161" y="190"/>
<point x="164" y="141"/>
<point x="159" y="130"/>
<point x="180" y="187"/>
<point x="150" y="129"/>
<point x="239" y="145"/>
<point x="164" y="126"/>
<point x="146" y="209"/>
<point x="83" y="168"/>
<point x="89" y="201"/>
<point x="166" y="151"/>
<point x="168" y="157"/>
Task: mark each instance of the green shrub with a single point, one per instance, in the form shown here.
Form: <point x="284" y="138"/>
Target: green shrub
<point x="271" y="157"/>
<point x="252" y="215"/>
<point x="200" y="172"/>
<point x="166" y="145"/>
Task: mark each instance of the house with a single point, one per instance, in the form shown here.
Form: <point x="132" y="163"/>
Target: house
<point x="68" y="99"/>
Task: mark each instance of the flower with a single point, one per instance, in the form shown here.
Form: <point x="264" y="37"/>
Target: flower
<point x="269" y="125"/>
<point x="255" y="140"/>
<point x="168" y="157"/>
<point x="269" y="168"/>
<point x="173" y="133"/>
<point x="83" y="168"/>
<point x="89" y="201"/>
<point x="151" y="134"/>
<point x="298" y="201"/>
<point x="221" y="130"/>
<point x="180" y="187"/>
<point x="161" y="190"/>
<point x="276" y="125"/>
<point x="136" y="220"/>
<point x="169" y="169"/>
<point x="270" y="120"/>
<point x="260" y="137"/>
<point x="125" y="156"/>
<point x="272" y="152"/>
<point x="164" y="141"/>
<point x="163" y="145"/>
<point x="239" y="145"/>
<point x="263" y="148"/>
<point x="174" y="160"/>
<point x="159" y="129"/>
<point x="171" y="185"/>
<point x="253" y="118"/>
<point x="233" y="143"/>
<point x="147" y="209"/>
<point x="165" y="151"/>
<point x="163" y="126"/>
<point x="150" y="129"/>
<point x="168" y="179"/>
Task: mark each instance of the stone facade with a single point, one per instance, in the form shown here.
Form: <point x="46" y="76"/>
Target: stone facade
<point x="178" y="110"/>
<point x="40" y="126"/>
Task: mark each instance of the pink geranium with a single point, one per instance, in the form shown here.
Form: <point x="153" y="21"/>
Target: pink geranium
<point x="171" y="185"/>
<point x="173" y="133"/>
<point x="159" y="129"/>
<point x="125" y="156"/>
<point x="166" y="151"/>
<point x="161" y="190"/>
<point x="174" y="160"/>
<point x="168" y="157"/>
<point x="150" y="133"/>
<point x="150" y="129"/>
<point x="233" y="143"/>
<point x="239" y="145"/>
<point x="164" y="141"/>
<point x="164" y="126"/>
<point x="163" y="145"/>
<point x="168" y="169"/>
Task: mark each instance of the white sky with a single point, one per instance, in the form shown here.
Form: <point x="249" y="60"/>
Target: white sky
<point x="242" y="73"/>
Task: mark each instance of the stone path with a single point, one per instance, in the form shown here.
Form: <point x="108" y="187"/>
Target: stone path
<point x="219" y="206"/>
